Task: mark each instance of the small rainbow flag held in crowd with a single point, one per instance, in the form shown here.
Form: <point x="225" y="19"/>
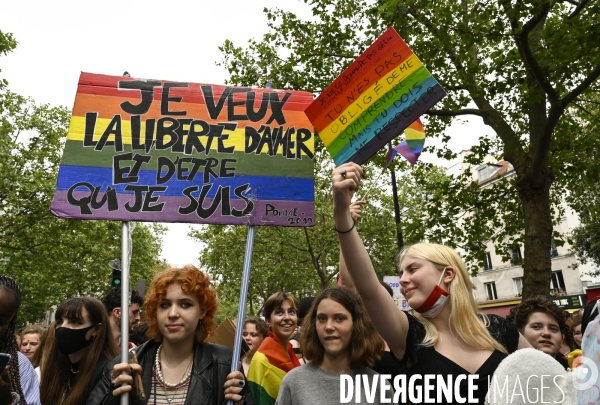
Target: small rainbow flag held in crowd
<point x="380" y="94"/>
<point x="267" y="369"/>
<point x="413" y="146"/>
<point x="411" y="149"/>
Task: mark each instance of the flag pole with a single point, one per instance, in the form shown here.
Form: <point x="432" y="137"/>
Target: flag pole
<point x="364" y="197"/>
<point x="125" y="257"/>
<point x="237" y="343"/>
<point x="396" y="206"/>
<point x="125" y="246"/>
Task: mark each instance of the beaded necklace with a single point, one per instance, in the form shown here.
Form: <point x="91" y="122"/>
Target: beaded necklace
<point x="159" y="377"/>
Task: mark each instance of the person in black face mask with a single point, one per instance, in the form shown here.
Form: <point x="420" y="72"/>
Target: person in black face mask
<point x="83" y="345"/>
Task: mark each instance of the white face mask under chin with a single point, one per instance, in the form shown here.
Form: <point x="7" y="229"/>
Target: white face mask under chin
<point x="434" y="304"/>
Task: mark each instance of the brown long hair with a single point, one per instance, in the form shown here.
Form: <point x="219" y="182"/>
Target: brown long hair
<point x="366" y="346"/>
<point x="56" y="367"/>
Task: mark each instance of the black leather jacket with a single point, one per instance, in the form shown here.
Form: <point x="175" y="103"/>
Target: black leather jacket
<point x="212" y="364"/>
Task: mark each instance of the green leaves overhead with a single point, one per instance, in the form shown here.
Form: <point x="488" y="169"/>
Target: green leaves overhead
<point x="524" y="67"/>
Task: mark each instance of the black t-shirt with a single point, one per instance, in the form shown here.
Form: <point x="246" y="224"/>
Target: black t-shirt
<point x="387" y="365"/>
<point x="421" y="360"/>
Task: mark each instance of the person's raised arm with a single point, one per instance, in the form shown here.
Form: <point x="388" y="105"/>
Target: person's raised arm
<point x="389" y="320"/>
<point x="356" y="213"/>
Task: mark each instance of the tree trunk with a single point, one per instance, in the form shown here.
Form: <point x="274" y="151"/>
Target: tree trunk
<point x="535" y="199"/>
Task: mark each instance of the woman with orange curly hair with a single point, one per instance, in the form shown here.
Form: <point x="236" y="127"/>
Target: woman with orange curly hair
<point x="177" y="365"/>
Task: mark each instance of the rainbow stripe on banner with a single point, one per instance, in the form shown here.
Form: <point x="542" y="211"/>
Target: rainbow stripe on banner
<point x="373" y="100"/>
<point x="413" y="146"/>
<point x="151" y="150"/>
<point x="267" y="369"/>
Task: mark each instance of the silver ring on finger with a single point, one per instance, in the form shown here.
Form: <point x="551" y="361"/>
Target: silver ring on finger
<point x="343" y="173"/>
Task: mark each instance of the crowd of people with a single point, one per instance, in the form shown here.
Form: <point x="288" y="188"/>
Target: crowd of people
<point x="298" y="353"/>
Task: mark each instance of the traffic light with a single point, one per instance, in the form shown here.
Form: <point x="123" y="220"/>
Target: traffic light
<point x="116" y="278"/>
<point x="115" y="265"/>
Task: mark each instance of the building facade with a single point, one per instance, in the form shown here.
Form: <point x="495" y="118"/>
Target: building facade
<point x="499" y="284"/>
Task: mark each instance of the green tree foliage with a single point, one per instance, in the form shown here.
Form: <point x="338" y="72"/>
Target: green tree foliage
<point x="586" y="243"/>
<point x="7" y="44"/>
<point x="522" y="66"/>
<point x="584" y="183"/>
<point x="53" y="259"/>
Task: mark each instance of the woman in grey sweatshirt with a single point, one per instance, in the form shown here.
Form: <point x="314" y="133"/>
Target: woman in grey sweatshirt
<point x="340" y="342"/>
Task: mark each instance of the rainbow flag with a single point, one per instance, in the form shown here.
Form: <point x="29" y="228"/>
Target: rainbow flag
<point x="160" y="151"/>
<point x="413" y="146"/>
<point x="373" y="100"/>
<point x="267" y="369"/>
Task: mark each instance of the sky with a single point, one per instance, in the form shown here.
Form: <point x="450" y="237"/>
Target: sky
<point x="59" y="39"/>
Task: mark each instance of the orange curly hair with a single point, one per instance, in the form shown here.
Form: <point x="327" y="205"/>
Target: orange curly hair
<point x="193" y="282"/>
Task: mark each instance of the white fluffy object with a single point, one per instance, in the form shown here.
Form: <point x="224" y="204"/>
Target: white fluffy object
<point x="518" y="380"/>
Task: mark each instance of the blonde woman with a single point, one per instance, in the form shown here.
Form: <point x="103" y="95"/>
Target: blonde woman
<point x="446" y="337"/>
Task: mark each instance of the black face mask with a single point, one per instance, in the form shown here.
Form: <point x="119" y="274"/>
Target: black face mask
<point x="70" y="341"/>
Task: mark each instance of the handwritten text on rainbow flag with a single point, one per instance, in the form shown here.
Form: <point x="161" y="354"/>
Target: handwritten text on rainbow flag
<point x="148" y="150"/>
<point x="373" y="100"/>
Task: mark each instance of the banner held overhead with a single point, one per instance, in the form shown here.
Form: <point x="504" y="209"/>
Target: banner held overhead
<point x="160" y="151"/>
<point x="380" y="94"/>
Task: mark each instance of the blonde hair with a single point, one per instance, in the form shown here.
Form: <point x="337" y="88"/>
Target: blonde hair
<point x="463" y="315"/>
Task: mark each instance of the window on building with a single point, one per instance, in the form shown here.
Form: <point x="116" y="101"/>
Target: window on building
<point x="557" y="285"/>
<point x="553" y="250"/>
<point x="515" y="255"/>
<point x="485" y="171"/>
<point x="490" y="289"/>
<point x="518" y="286"/>
<point x="487" y="265"/>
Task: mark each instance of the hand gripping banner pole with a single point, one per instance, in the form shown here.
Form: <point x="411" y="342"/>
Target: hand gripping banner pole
<point x="237" y="345"/>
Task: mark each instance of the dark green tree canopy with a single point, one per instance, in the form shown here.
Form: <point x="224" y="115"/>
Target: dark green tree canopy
<point x="524" y="67"/>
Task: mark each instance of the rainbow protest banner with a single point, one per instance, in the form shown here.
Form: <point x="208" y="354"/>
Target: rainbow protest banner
<point x="151" y="150"/>
<point x="373" y="100"/>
